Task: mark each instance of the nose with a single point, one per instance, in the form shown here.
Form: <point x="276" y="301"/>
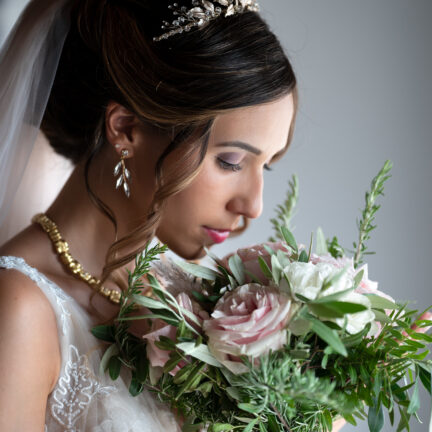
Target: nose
<point x="247" y="199"/>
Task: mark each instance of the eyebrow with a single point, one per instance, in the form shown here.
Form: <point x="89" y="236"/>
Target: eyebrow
<point x="242" y="145"/>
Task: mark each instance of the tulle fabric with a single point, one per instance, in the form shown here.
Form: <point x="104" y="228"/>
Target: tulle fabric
<point x="28" y="63"/>
<point x="85" y="400"/>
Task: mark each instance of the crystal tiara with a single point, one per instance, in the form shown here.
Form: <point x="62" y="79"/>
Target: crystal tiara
<point x="201" y="13"/>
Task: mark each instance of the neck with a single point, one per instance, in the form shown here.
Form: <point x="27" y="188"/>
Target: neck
<point x="86" y="228"/>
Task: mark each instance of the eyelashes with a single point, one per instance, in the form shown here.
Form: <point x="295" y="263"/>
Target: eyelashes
<point x="235" y="167"/>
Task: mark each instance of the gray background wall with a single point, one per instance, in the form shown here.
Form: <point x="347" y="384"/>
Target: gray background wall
<point x="364" y="69"/>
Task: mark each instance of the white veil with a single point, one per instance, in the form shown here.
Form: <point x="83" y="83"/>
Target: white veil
<point x="28" y="63"/>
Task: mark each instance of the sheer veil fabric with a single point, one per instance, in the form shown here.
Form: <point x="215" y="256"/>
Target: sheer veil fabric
<point x="28" y="63"/>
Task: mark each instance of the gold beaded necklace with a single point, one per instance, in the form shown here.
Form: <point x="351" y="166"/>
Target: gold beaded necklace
<point x="62" y="249"/>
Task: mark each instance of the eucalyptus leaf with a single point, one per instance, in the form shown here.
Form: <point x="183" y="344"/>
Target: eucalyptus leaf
<point x="237" y="268"/>
<point x="289" y="238"/>
<point x="111" y="351"/>
<point x="114" y="366"/>
<point x="221" y="427"/>
<point x="379" y="302"/>
<point x="104" y="332"/>
<point x="375" y="417"/>
<point x="197" y="270"/>
<point x="358" y="278"/>
<point x="276" y="269"/>
<point x="135" y="387"/>
<point x="335" y="309"/>
<point x="265" y="268"/>
<point x="303" y="257"/>
<point x="321" y="243"/>
<point x="414" y="404"/>
<point x="328" y="335"/>
<point x="251" y="425"/>
<point x="200" y="352"/>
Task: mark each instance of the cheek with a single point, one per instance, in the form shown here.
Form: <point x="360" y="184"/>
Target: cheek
<point x="204" y="195"/>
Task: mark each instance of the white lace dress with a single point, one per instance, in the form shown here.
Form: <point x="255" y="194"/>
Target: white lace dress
<point x="83" y="400"/>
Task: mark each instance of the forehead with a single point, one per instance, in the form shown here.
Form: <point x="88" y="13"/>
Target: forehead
<point x="265" y="126"/>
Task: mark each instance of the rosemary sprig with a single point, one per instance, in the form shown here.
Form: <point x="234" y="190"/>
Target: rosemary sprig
<point x="365" y="225"/>
<point x="285" y="211"/>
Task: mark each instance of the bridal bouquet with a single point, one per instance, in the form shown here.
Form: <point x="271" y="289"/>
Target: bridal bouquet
<point x="273" y="338"/>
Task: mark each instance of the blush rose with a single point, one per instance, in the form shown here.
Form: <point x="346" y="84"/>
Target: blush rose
<point x="250" y="321"/>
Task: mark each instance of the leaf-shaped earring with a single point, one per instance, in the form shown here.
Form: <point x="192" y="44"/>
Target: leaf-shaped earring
<point x="125" y="175"/>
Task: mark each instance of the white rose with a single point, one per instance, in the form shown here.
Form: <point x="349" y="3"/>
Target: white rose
<point x="356" y="322"/>
<point x="306" y="279"/>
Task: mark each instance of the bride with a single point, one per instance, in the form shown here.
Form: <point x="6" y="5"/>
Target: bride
<point x="170" y="114"/>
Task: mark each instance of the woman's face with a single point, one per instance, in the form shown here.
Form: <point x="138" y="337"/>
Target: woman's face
<point x="230" y="182"/>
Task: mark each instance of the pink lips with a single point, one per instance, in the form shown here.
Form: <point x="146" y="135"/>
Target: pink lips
<point x="218" y="236"/>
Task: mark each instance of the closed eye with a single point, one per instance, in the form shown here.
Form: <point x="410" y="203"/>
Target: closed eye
<point x="236" y="167"/>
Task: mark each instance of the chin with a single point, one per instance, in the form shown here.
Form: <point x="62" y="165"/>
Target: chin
<point x="189" y="253"/>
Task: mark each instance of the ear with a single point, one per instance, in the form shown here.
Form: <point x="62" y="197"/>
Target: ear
<point x="120" y="124"/>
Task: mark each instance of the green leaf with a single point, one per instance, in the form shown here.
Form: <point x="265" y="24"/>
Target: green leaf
<point x="269" y="250"/>
<point x="350" y="419"/>
<point x="201" y="352"/>
<point x="414" y="404"/>
<point x="142" y="365"/>
<point x="221" y="427"/>
<point x="321" y="243"/>
<point x="265" y="268"/>
<point x="191" y="380"/>
<point x="378" y="302"/>
<point x="358" y="277"/>
<point x="237" y="268"/>
<point x="198" y="271"/>
<point x="250" y="426"/>
<point x="169" y="318"/>
<point x="276" y="269"/>
<point x="381" y="316"/>
<point x="299" y="326"/>
<point x="303" y="257"/>
<point x="425" y="377"/>
<point x="272" y="423"/>
<point x="328" y="335"/>
<point x="250" y="408"/>
<point x="336" y="296"/>
<point x="289" y="238"/>
<point x="183" y="374"/>
<point x="335" y="309"/>
<point x="375" y="417"/>
<point x="135" y="387"/>
<point x="149" y="302"/>
<point x="114" y="366"/>
<point x="111" y="351"/>
<point x="328" y="420"/>
<point x="104" y="332"/>
<point x="173" y="361"/>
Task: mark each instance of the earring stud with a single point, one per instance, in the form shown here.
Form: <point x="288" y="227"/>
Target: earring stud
<point x="125" y="175"/>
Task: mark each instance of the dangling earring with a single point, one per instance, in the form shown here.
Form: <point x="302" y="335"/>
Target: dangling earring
<point x="125" y="175"/>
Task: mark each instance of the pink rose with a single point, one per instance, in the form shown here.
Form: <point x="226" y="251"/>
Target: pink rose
<point x="249" y="257"/>
<point x="249" y="321"/>
<point x="157" y="356"/>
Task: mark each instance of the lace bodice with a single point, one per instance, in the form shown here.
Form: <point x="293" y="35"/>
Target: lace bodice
<point x="83" y="400"/>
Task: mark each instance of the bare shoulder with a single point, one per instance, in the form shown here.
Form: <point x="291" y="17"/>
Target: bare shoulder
<point x="29" y="352"/>
<point x="27" y="320"/>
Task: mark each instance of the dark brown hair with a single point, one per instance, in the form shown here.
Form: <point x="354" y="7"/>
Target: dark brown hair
<point x="178" y="85"/>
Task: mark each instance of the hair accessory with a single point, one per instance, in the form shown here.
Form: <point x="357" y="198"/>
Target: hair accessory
<point x="125" y="175"/>
<point x="203" y="12"/>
